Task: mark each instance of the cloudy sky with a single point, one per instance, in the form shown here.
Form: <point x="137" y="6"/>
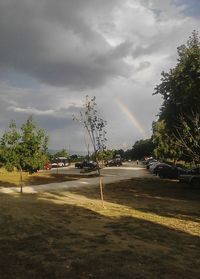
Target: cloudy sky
<point x="54" y="53"/>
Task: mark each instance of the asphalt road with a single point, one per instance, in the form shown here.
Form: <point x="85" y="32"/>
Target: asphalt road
<point x="109" y="175"/>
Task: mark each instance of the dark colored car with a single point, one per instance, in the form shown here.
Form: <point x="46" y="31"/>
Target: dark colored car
<point x="191" y="177"/>
<point x="193" y="171"/>
<point x="86" y="165"/>
<point x="114" y="163"/>
<point x="150" y="162"/>
<point x="171" y="172"/>
<point x="159" y="167"/>
<point x="78" y="165"/>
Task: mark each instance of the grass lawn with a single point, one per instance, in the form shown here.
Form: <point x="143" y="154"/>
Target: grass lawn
<point x="12" y="179"/>
<point x="149" y="228"/>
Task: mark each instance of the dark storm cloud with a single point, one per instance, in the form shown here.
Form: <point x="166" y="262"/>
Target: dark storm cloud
<point x="56" y="42"/>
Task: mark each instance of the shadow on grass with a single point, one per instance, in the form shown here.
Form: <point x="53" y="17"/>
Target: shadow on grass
<point x="41" y="239"/>
<point x="162" y="197"/>
<point x="7" y="184"/>
<point x="51" y="178"/>
<point x="39" y="180"/>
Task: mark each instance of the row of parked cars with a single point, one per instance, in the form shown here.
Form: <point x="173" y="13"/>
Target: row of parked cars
<point x="163" y="170"/>
<point x="49" y="166"/>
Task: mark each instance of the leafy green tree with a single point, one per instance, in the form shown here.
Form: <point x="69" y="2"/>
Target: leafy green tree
<point x="61" y="153"/>
<point x="188" y="137"/>
<point x="142" y="148"/>
<point x="24" y="148"/>
<point x="180" y="89"/>
<point x="10" y="148"/>
<point x="165" y="147"/>
<point x="105" y="155"/>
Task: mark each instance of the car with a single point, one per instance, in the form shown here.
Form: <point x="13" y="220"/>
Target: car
<point x="171" y="172"/>
<point x="159" y="167"/>
<point x="86" y="165"/>
<point x="191" y="176"/>
<point x="150" y="162"/>
<point x="153" y="165"/>
<point x="47" y="166"/>
<point x="60" y="164"/>
<point x="193" y="171"/>
<point x="66" y="164"/>
<point x="54" y="165"/>
<point x="147" y="160"/>
<point x="78" y="165"/>
<point x="113" y="163"/>
<point x="90" y="165"/>
<point x="193" y="180"/>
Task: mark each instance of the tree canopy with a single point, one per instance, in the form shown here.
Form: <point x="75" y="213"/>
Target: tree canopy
<point x="180" y="110"/>
<point x="180" y="87"/>
<point x="24" y="148"/>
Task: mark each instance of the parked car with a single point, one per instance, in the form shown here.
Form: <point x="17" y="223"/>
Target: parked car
<point x="191" y="176"/>
<point x="47" y="166"/>
<point x="54" y="165"/>
<point x="171" y="172"/>
<point x="193" y="180"/>
<point x="86" y="165"/>
<point x="153" y="165"/>
<point x="78" y="165"/>
<point x="159" y="167"/>
<point x="90" y="165"/>
<point x="194" y="171"/>
<point x="113" y="163"/>
<point x="150" y="162"/>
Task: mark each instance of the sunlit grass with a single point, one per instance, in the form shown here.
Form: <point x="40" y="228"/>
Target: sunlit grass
<point x="8" y="179"/>
<point x="148" y="229"/>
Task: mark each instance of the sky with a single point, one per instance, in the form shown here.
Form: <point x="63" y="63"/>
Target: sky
<point x="54" y="53"/>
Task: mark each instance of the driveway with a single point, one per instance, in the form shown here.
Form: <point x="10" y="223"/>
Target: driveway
<point x="109" y="175"/>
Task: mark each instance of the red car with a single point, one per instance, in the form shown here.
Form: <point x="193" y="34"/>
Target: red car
<point x="47" y="166"/>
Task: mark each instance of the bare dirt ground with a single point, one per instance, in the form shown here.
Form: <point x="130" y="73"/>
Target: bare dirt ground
<point x="149" y="229"/>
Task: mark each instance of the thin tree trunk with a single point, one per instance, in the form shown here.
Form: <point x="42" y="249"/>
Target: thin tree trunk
<point x="100" y="186"/>
<point x="21" y="181"/>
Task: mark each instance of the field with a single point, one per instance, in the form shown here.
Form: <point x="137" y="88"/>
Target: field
<point x="149" y="228"/>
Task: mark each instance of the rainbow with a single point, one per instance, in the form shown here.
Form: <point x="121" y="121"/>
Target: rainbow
<point x="131" y="117"/>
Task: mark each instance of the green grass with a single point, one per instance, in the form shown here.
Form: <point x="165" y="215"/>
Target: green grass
<point x="149" y="228"/>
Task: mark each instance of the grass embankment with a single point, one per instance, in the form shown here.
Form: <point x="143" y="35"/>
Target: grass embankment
<point x="148" y="229"/>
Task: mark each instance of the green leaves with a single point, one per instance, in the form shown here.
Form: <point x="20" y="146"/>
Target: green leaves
<point x="180" y="89"/>
<point x="24" y="148"/>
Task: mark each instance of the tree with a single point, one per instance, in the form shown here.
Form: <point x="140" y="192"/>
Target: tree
<point x="165" y="147"/>
<point x="24" y="148"/>
<point x="120" y="152"/>
<point x="62" y="153"/>
<point x="188" y="137"/>
<point x="95" y="127"/>
<point x="105" y="155"/>
<point x="142" y="148"/>
<point x="180" y="89"/>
